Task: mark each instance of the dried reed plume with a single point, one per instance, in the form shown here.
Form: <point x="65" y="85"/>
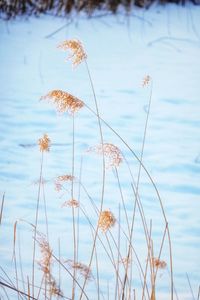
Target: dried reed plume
<point x="77" y="52"/>
<point x="61" y="179"/>
<point x="125" y="261"/>
<point x="111" y="152"/>
<point x="65" y="178"/>
<point x="160" y="264"/>
<point x="58" y="186"/>
<point x="64" y="101"/>
<point x="146" y="80"/>
<point x="72" y="203"/>
<point x="106" y="220"/>
<point x="45" y="265"/>
<point x="81" y="268"/>
<point x="44" y="143"/>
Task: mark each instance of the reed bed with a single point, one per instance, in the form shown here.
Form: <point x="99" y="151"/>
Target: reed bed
<point x="113" y="236"/>
<point x="58" y="7"/>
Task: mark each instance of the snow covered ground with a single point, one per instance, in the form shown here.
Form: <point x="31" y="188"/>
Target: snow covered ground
<point x="163" y="42"/>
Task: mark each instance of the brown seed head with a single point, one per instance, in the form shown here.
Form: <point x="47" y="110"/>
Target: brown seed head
<point x="76" y="49"/>
<point x="106" y="220"/>
<point x="125" y="261"/>
<point x="72" y="203"/>
<point x="58" y="186"/>
<point x="81" y="268"/>
<point x="146" y="80"/>
<point x="160" y="264"/>
<point x="59" y="181"/>
<point x="46" y="252"/>
<point x="44" y="143"/>
<point x="65" y="178"/>
<point x="111" y="152"/>
<point x="45" y="265"/>
<point x="64" y="102"/>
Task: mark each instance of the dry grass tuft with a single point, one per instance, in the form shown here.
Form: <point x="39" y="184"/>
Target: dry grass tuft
<point x="64" y="101"/>
<point x="77" y="52"/>
<point x="44" y="143"/>
<point x="106" y="220"/>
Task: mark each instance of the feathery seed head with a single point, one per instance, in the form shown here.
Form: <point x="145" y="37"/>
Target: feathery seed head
<point x="76" y="49"/>
<point x="113" y="155"/>
<point x="65" y="178"/>
<point x="146" y="80"/>
<point x="64" y="101"/>
<point x="125" y="261"/>
<point x="59" y="181"/>
<point x="45" y="265"/>
<point x="58" y="186"/>
<point x="160" y="264"/>
<point x="46" y="252"/>
<point x="81" y="268"/>
<point x="44" y="143"/>
<point x="106" y="220"/>
<point x="72" y="203"/>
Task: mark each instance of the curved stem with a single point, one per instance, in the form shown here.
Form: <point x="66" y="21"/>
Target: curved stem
<point x="103" y="171"/>
<point x="154" y="186"/>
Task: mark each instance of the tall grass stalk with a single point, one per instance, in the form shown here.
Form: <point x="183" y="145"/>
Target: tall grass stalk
<point x="103" y="166"/>
<point x="2" y="206"/>
<point x="155" y="188"/>
<point x="36" y="223"/>
<point x="139" y="174"/>
<point x="122" y="198"/>
<point x="118" y="254"/>
<point x="109" y="255"/>
<point x="73" y="212"/>
<point x="20" y="262"/>
<point x="14" y="256"/>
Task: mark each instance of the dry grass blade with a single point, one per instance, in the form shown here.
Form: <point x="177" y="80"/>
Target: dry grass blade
<point x="83" y="270"/>
<point x="69" y="273"/>
<point x="153" y="184"/>
<point x="16" y="290"/>
<point x="198" y="294"/>
<point x="103" y="168"/>
<point x="14" y="237"/>
<point x="2" y="206"/>
<point x="190" y="286"/>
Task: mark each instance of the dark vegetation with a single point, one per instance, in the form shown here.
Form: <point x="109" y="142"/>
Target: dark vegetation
<point x="65" y="7"/>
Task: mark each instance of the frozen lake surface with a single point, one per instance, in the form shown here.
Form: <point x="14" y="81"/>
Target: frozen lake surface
<point x="163" y="42"/>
